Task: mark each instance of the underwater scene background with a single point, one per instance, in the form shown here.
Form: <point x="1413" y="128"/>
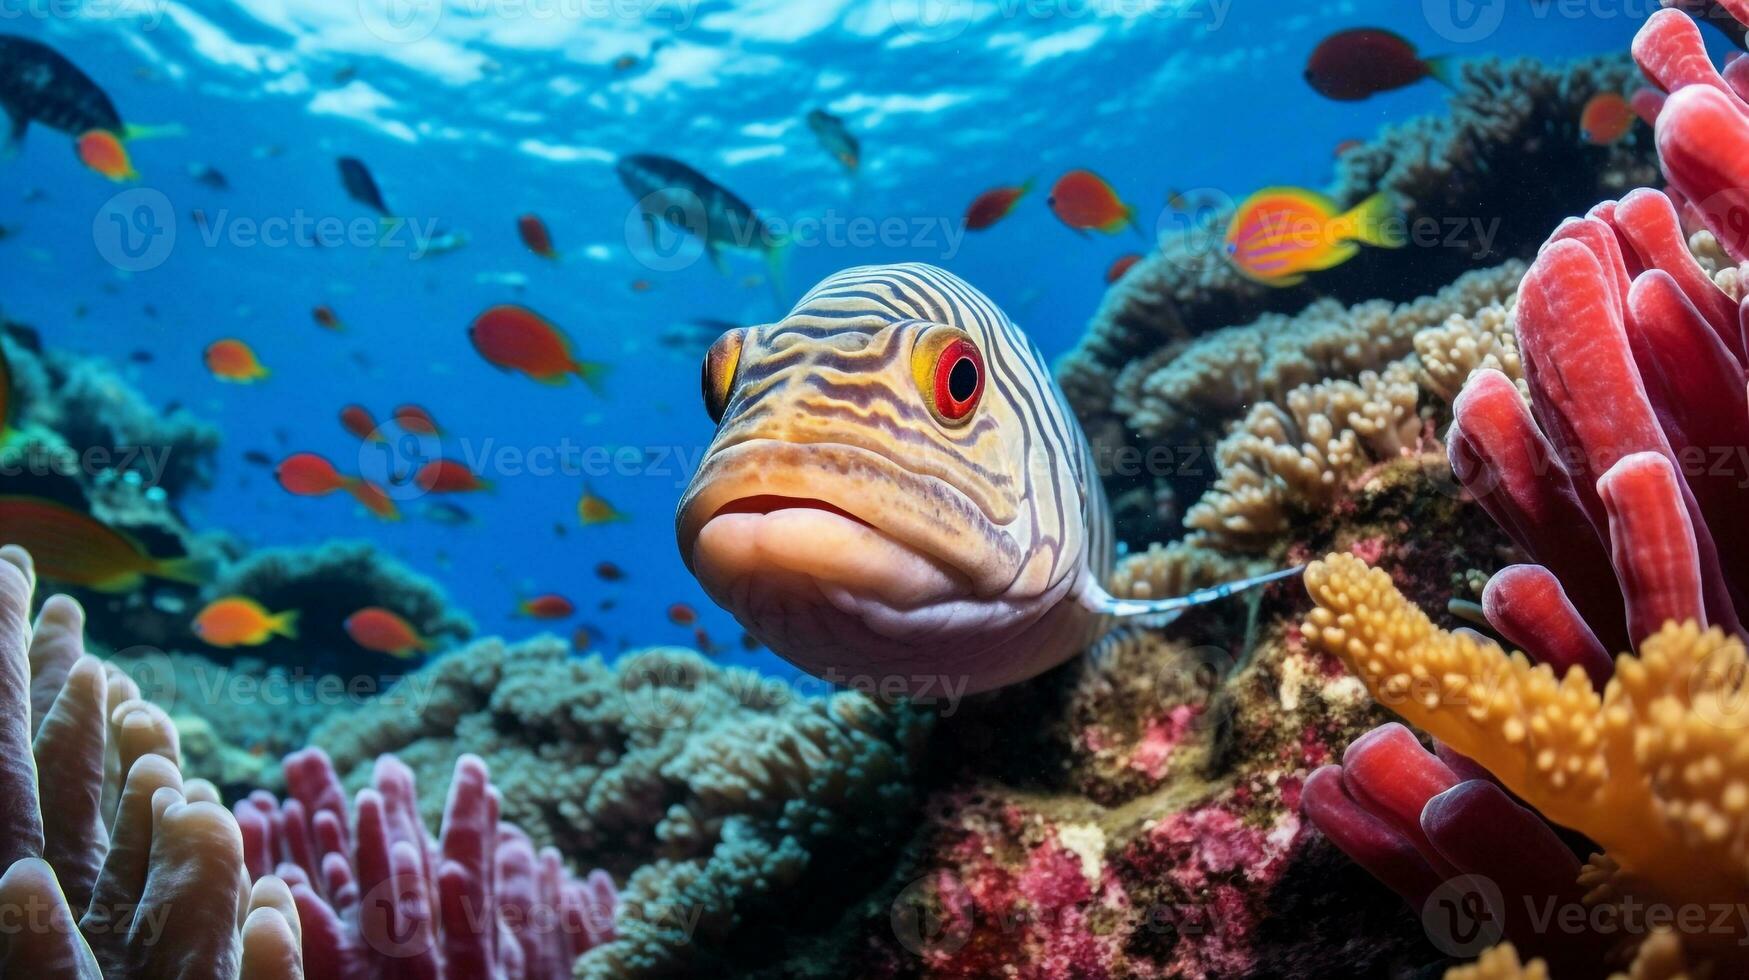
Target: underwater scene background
<point x="349" y="677"/>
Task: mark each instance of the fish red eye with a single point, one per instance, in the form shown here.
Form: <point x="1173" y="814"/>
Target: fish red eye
<point x="949" y="370"/>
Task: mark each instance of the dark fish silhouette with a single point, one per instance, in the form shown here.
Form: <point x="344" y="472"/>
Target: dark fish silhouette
<point x="835" y="138"/>
<point x="38" y="85"/>
<point x="361" y="186"/>
<point x="670" y="192"/>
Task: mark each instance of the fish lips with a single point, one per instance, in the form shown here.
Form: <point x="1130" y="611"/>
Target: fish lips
<point x="783" y="498"/>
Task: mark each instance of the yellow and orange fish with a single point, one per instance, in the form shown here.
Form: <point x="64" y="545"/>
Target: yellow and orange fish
<point x="1606" y="119"/>
<point x="1084" y="201"/>
<point x="103" y="152"/>
<point x="382" y="631"/>
<point x="515" y="338"/>
<point x="73" y="547"/>
<point x="592" y="509"/>
<point x="238" y="621"/>
<point x="1281" y="233"/>
<point x="235" y="361"/>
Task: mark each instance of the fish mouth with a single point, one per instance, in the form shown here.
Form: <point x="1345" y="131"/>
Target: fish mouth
<point x="846" y="518"/>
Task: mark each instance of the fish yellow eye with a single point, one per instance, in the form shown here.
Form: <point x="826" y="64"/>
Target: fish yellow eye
<point x="949" y="370"/>
<point x="718" y="376"/>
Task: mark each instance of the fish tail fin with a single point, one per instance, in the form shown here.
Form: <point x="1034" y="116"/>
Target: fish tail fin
<point x="160" y="131"/>
<point x="777" y="267"/>
<point x="1130" y="217"/>
<point x="1442" y="69"/>
<point x="591" y="373"/>
<point x="189" y="570"/>
<point x="285" y="624"/>
<point x="1163" y="611"/>
<point x="16" y="123"/>
<point x="1377" y="222"/>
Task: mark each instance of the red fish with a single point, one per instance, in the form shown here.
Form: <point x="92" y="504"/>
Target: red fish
<point x="681" y="614"/>
<point x="374" y="498"/>
<point x="516" y="338"/>
<point x="1356" y="64"/>
<point x="382" y="631"/>
<point x="609" y="572"/>
<point x="326" y="318"/>
<point x="101" y="150"/>
<point x="1343" y="148"/>
<point x="356" y="419"/>
<point x="548" y="606"/>
<point x="448" y="476"/>
<point x="309" y="475"/>
<point x="705" y="644"/>
<point x="1606" y="119"/>
<point x="412" y="418"/>
<point x="1083" y="200"/>
<point x="993" y="205"/>
<point x="1121" y="266"/>
<point x="535" y="235"/>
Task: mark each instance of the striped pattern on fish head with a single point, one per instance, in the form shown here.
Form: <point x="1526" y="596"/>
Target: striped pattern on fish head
<point x="896" y="487"/>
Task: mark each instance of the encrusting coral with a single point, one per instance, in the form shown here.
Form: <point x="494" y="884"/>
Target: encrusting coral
<point x="377" y="895"/>
<point x="114" y="866"/>
<point x="719" y="794"/>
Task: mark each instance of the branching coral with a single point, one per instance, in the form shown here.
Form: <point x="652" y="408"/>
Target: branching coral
<point x="1654" y="770"/>
<point x="377" y="895"/>
<point x="114" y="867"/>
<point x="714" y="791"/>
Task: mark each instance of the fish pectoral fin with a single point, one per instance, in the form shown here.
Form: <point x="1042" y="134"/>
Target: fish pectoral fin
<point x="1164" y="611"/>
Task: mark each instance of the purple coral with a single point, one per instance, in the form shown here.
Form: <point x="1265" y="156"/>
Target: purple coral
<point x="377" y="892"/>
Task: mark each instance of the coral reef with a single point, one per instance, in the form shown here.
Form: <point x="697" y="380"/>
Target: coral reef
<point x="1505" y="116"/>
<point x="376" y="894"/>
<point x="330" y="582"/>
<point x="114" y="866"/>
<point x="718" y="795"/>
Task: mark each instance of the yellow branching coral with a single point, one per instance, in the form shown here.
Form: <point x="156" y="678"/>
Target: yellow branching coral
<point x="1660" y="958"/>
<point x="1656" y="770"/>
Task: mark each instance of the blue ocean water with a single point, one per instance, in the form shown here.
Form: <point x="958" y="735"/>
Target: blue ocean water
<point x="471" y="113"/>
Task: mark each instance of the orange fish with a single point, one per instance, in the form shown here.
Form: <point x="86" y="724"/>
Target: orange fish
<point x="993" y="205"/>
<point x="1281" y="233"/>
<point x="233" y="360"/>
<point x="374" y="498"/>
<point x="548" y="606"/>
<point x="1083" y="200"/>
<point x="535" y="235"/>
<point x="448" y="476"/>
<point x="681" y="614"/>
<point x="642" y="285"/>
<point x="356" y="420"/>
<point x="516" y="338"/>
<point x="1607" y="118"/>
<point x="309" y="475"/>
<point x="705" y="644"/>
<point x="73" y="547"/>
<point x="593" y="509"/>
<point x="609" y="572"/>
<point x="101" y="150"/>
<point x="325" y="316"/>
<point x="381" y="631"/>
<point x="412" y="418"/>
<point x="1121" y="266"/>
<point x="236" y="621"/>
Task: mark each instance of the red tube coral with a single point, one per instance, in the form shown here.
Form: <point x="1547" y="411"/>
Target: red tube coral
<point x="478" y="902"/>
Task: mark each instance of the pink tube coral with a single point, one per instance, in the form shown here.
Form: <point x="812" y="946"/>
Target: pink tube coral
<point x="376" y="893"/>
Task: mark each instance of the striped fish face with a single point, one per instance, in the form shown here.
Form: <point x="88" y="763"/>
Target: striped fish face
<point x="895" y="486"/>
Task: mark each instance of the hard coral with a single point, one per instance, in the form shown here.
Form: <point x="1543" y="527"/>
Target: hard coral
<point x="114" y="867"/>
<point x="376" y="893"/>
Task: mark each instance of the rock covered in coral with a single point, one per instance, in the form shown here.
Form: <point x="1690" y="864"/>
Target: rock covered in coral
<point x="717" y="795"/>
<point x="1444" y="171"/>
<point x="114" y="866"/>
<point x="377" y="894"/>
<point x="330" y="582"/>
